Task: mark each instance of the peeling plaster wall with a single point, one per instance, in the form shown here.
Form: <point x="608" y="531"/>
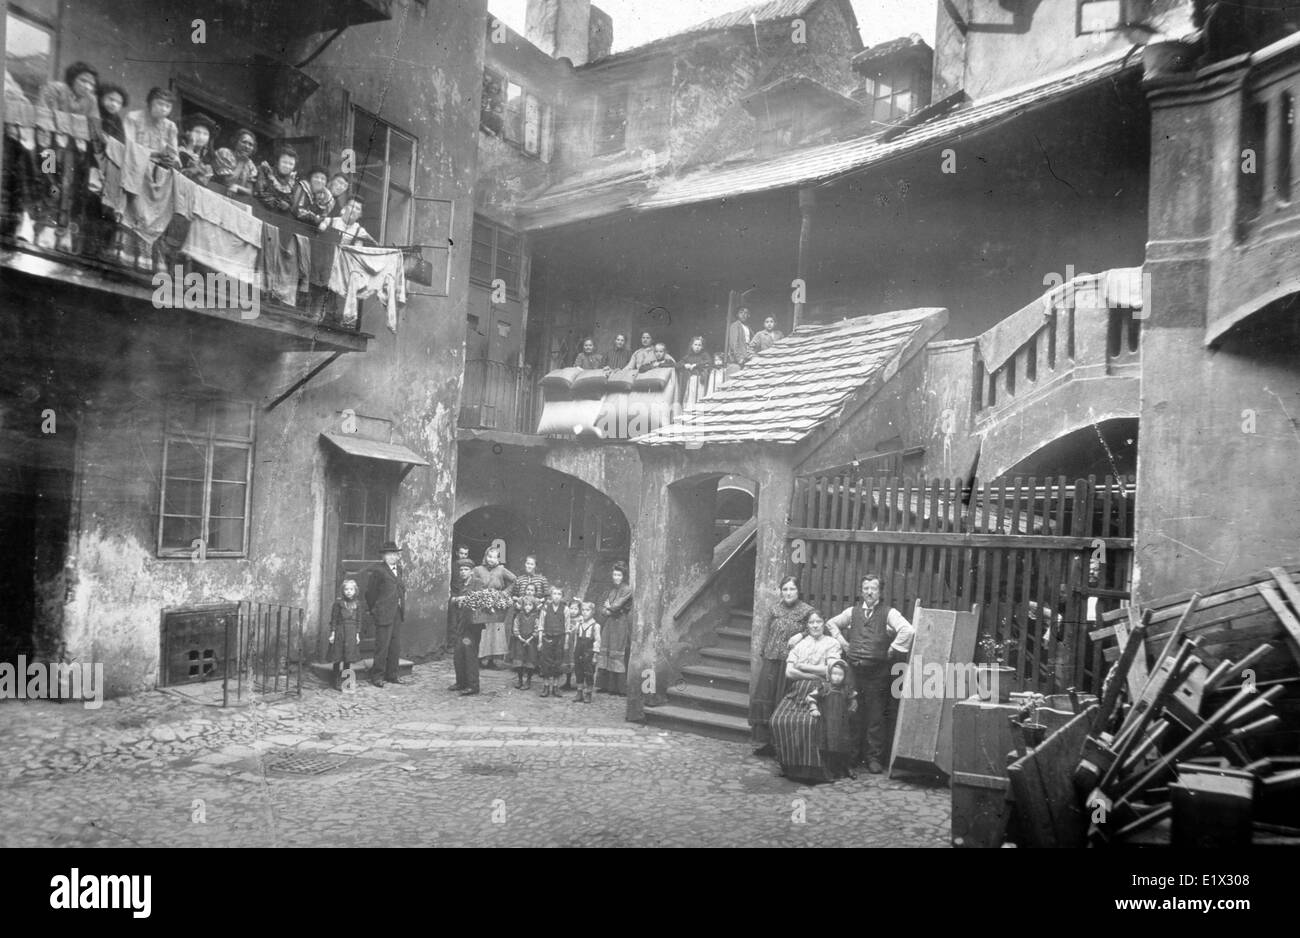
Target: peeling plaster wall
<point x="421" y="72"/>
<point x="674" y="546"/>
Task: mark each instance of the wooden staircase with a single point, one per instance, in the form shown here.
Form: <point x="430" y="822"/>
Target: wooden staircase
<point x="712" y="696"/>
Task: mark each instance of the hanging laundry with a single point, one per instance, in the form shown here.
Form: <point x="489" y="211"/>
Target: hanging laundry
<point x="280" y="263"/>
<point x="222" y="250"/>
<point x="151" y="192"/>
<point x="113" y="195"/>
<point x="361" y="272"/>
<point x="304" y="262"/>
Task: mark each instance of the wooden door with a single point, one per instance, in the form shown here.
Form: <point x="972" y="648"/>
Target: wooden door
<point x="363" y="523"/>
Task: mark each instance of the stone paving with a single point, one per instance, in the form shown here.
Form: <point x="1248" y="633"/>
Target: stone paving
<point x="414" y="765"/>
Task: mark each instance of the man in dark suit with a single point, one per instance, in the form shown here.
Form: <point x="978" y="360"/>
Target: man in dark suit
<point x="386" y="602"/>
<point x="460" y="626"/>
<point x="738" y="337"/>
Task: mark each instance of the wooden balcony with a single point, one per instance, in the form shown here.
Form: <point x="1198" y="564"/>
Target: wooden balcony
<point x="497" y="396"/>
<point x="92" y="252"/>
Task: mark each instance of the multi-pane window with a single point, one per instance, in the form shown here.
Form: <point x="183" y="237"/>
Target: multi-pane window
<point x="611" y="123"/>
<point x="891" y="95"/>
<point x="495" y="254"/>
<point x="514" y="113"/>
<point x="207" y="471"/>
<point x="385" y="177"/>
<point x="365" y="507"/>
<point x="29" y="52"/>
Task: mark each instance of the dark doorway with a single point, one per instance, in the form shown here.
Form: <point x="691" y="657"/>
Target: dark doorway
<point x="37" y="474"/>
<point x="358" y="525"/>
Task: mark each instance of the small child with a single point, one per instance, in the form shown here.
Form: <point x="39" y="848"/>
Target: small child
<point x="835" y="701"/>
<point x="572" y="616"/>
<point x="524" y="639"/>
<point x="553" y="640"/>
<point x="345" y="630"/>
<point x="586" y="645"/>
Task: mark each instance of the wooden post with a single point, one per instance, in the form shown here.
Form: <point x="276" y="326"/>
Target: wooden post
<point x="807" y="201"/>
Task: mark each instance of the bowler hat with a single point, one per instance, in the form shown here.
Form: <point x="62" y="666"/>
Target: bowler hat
<point x="390" y="547"/>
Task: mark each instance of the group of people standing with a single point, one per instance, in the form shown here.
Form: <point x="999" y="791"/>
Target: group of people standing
<point x="699" y="373"/>
<point x="823" y="700"/>
<point x="538" y="632"/>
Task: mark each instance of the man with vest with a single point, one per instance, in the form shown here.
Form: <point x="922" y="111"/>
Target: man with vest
<point x="877" y="638"/>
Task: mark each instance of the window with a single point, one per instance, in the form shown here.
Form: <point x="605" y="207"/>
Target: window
<point x="495" y="254"/>
<point x="29" y="52"/>
<point x="385" y="177"/>
<point x="207" y="471"/>
<point x="511" y="111"/>
<point x="365" y="510"/>
<point x="891" y="97"/>
<point x="1100" y="16"/>
<point x="611" y="123"/>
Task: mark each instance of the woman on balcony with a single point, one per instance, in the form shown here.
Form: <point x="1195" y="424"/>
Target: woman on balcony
<point x="694" y="368"/>
<point x="64" y="191"/>
<point x="113" y="100"/>
<point x="492" y="574"/>
<point x="784" y="620"/>
<point x="589" y="358"/>
<point x="312" y="201"/>
<point x="233" y="171"/>
<point x="275" y="184"/>
<point x="196" y="153"/>
<point x="615" y="633"/>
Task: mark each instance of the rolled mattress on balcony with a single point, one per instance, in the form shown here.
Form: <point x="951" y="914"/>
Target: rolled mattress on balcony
<point x="614" y="415"/>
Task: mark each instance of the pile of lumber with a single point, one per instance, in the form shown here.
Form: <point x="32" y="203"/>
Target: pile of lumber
<point x="1196" y="738"/>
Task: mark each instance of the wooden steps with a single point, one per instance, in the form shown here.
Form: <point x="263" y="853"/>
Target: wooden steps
<point x="711" y="698"/>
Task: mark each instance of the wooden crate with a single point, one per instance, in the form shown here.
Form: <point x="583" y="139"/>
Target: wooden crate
<point x="982" y="738"/>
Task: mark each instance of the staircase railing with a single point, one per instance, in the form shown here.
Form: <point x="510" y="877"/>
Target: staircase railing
<point x="736" y="544"/>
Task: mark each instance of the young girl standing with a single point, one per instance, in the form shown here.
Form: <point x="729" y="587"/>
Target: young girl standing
<point x="345" y="629"/>
<point x="586" y="646"/>
<point x="524" y="639"/>
<point x="554" y="632"/>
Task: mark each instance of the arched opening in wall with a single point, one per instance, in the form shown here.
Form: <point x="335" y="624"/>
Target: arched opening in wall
<point x="1105" y="448"/>
<point x="575" y="532"/>
<point x="734" y="504"/>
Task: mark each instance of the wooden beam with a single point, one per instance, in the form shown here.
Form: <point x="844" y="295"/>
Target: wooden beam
<point x="942" y="539"/>
<point x="1284" y="615"/>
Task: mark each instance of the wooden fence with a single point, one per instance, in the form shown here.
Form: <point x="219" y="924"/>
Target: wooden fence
<point x="1030" y="553"/>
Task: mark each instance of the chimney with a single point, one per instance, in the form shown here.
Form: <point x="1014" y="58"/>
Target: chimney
<point x="600" y="34"/>
<point x="560" y="28"/>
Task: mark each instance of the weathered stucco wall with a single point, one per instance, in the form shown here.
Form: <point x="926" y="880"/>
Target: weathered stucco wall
<point x="422" y="73"/>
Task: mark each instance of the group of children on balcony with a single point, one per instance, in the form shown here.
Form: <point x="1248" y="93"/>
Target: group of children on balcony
<point x="48" y="197"/>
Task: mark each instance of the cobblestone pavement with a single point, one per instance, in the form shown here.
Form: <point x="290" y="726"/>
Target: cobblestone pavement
<point x="413" y="765"/>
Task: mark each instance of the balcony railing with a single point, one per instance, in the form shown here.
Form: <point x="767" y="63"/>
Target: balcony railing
<point x="61" y="215"/>
<point x="1090" y="327"/>
<point x="497" y="396"/>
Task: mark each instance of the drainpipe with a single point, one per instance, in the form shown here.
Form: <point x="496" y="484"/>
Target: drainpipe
<point x="807" y="200"/>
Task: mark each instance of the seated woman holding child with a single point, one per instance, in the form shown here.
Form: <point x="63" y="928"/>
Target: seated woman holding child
<point x="809" y="727"/>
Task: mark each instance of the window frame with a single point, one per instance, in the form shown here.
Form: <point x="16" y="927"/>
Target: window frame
<point x="1126" y="16"/>
<point x="383" y="236"/>
<point x="209" y="441"/>
<point x="51" y="29"/>
<point x="513" y="289"/>
<point x="496" y="115"/>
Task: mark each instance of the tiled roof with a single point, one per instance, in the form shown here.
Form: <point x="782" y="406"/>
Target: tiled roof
<point x="883" y="50"/>
<point x="786" y="392"/>
<point x="564" y="204"/>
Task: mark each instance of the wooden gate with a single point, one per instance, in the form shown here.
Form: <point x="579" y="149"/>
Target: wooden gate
<point x="1031" y="554"/>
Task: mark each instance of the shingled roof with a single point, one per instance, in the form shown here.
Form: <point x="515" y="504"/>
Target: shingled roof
<point x="808" y="378"/>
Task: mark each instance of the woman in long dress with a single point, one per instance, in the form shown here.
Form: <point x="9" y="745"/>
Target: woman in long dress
<point x="798" y="730"/>
<point x="492" y="574"/>
<point x="615" y="634"/>
<point x="784" y="620"/>
<point x="694" y="369"/>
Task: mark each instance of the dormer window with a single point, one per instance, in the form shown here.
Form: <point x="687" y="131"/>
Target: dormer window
<point x="891" y="96"/>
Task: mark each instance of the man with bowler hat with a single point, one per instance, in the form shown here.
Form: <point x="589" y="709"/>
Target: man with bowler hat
<point x="386" y="602"/>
